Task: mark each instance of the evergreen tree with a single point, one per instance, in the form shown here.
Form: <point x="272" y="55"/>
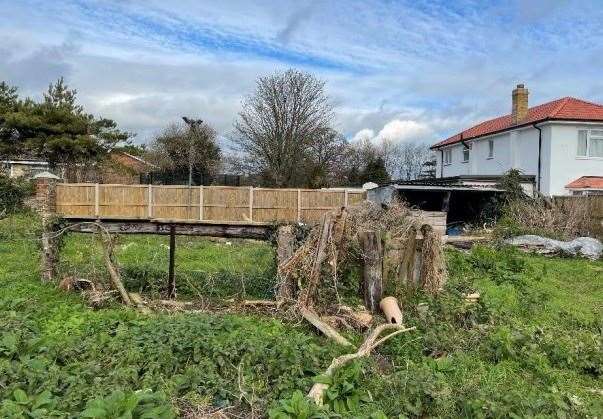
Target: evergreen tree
<point x="376" y="172"/>
<point x="57" y="129"/>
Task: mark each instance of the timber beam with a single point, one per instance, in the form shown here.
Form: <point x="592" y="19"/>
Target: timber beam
<point x="249" y="231"/>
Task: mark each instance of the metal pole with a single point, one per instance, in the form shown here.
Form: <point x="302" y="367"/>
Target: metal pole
<point x="171" y="278"/>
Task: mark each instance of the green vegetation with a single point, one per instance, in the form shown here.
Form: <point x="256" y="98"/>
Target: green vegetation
<point x="12" y="194"/>
<point x="531" y="346"/>
<point x="56" y="128"/>
<point x="222" y="268"/>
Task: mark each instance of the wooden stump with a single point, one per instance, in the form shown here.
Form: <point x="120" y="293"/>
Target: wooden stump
<point x="406" y="274"/>
<point x="372" y="247"/>
<point x="285" y="244"/>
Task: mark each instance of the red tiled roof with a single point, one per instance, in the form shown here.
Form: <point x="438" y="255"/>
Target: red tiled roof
<point x="568" y="108"/>
<point x="586" y="182"/>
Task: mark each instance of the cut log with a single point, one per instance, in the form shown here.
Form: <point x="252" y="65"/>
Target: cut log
<point x="285" y="244"/>
<point x="326" y="329"/>
<point x="433" y="265"/>
<point x="372" y="278"/>
<point x="407" y="263"/>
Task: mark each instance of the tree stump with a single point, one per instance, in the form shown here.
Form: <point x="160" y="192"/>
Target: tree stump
<point x="285" y="244"/>
<point x="373" y="268"/>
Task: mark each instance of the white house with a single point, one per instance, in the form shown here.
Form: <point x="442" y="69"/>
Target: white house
<point x="560" y="143"/>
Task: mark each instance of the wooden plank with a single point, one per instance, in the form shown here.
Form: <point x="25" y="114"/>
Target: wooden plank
<point x="150" y="202"/>
<point x="299" y="205"/>
<point x="251" y="203"/>
<point x="96" y="200"/>
<point x="257" y="232"/>
<point x="200" y="202"/>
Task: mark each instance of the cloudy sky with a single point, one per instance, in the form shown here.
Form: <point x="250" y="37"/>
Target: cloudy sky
<point x="405" y="70"/>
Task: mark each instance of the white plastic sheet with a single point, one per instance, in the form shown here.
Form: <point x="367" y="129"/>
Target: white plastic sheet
<point x="582" y="246"/>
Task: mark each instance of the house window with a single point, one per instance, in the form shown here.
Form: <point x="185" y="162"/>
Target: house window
<point x="590" y="143"/>
<point x="595" y="143"/>
<point x="447" y="156"/>
<point x="465" y="154"/>
<point x="490" y="149"/>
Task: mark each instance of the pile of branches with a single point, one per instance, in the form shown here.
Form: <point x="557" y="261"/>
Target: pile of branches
<point x="311" y="276"/>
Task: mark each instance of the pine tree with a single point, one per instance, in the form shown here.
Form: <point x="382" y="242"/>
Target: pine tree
<point x="57" y="129"/>
<point x="376" y="172"/>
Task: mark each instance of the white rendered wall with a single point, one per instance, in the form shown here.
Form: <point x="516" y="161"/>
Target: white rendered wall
<point x="565" y="166"/>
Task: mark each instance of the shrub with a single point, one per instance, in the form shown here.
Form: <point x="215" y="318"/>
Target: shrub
<point x="544" y="218"/>
<point x="12" y="194"/>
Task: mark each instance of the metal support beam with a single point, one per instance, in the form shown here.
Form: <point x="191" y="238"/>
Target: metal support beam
<point x="171" y="278"/>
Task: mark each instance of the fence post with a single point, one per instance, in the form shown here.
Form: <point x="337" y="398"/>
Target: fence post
<point x="299" y="205"/>
<point x="345" y="198"/>
<point x="96" y="200"/>
<point x="372" y="275"/>
<point x="201" y="203"/>
<point x="251" y="203"/>
<point x="150" y="203"/>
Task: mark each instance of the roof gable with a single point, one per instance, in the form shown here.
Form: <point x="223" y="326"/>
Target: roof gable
<point x="567" y="108"/>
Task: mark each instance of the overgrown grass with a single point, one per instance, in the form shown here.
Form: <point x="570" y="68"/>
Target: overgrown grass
<point x="207" y="268"/>
<point x="530" y="347"/>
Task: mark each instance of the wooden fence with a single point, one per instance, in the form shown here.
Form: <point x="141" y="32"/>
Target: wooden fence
<point x="594" y="204"/>
<point x="199" y="203"/>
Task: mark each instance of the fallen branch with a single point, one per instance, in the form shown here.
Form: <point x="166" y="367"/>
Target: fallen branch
<point x="306" y="297"/>
<point x="326" y="329"/>
<point x="317" y="391"/>
<point x="113" y="272"/>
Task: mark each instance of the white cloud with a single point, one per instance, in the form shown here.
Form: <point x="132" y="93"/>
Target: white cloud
<point x="404" y="130"/>
<point x="397" y="131"/>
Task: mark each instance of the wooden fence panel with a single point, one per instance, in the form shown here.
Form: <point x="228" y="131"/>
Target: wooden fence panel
<point x="175" y="202"/>
<point x="274" y="205"/>
<point x="206" y="203"/>
<point x="314" y="203"/>
<point x="121" y="201"/>
<point x="76" y="200"/>
<point x="226" y="204"/>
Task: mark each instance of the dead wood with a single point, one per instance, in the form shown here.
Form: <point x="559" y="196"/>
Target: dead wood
<point x="285" y="244"/>
<point x="372" y="276"/>
<point x="325" y="328"/>
<point x="71" y="283"/>
<point x="433" y="266"/>
<point x="407" y="262"/>
<point x="320" y="254"/>
<point x="371" y="342"/>
<point x="107" y="242"/>
<point x="360" y="319"/>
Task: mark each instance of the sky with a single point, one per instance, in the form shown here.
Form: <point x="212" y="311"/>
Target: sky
<point x="396" y="69"/>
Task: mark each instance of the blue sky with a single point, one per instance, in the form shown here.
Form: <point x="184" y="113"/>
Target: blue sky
<point x="405" y="70"/>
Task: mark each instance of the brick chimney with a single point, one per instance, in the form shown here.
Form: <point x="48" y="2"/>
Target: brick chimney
<point x="520" y="104"/>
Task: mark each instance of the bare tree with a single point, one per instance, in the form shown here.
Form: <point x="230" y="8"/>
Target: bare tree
<point x="280" y="122"/>
<point x="404" y="160"/>
<point x="184" y="150"/>
<point x="323" y="161"/>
